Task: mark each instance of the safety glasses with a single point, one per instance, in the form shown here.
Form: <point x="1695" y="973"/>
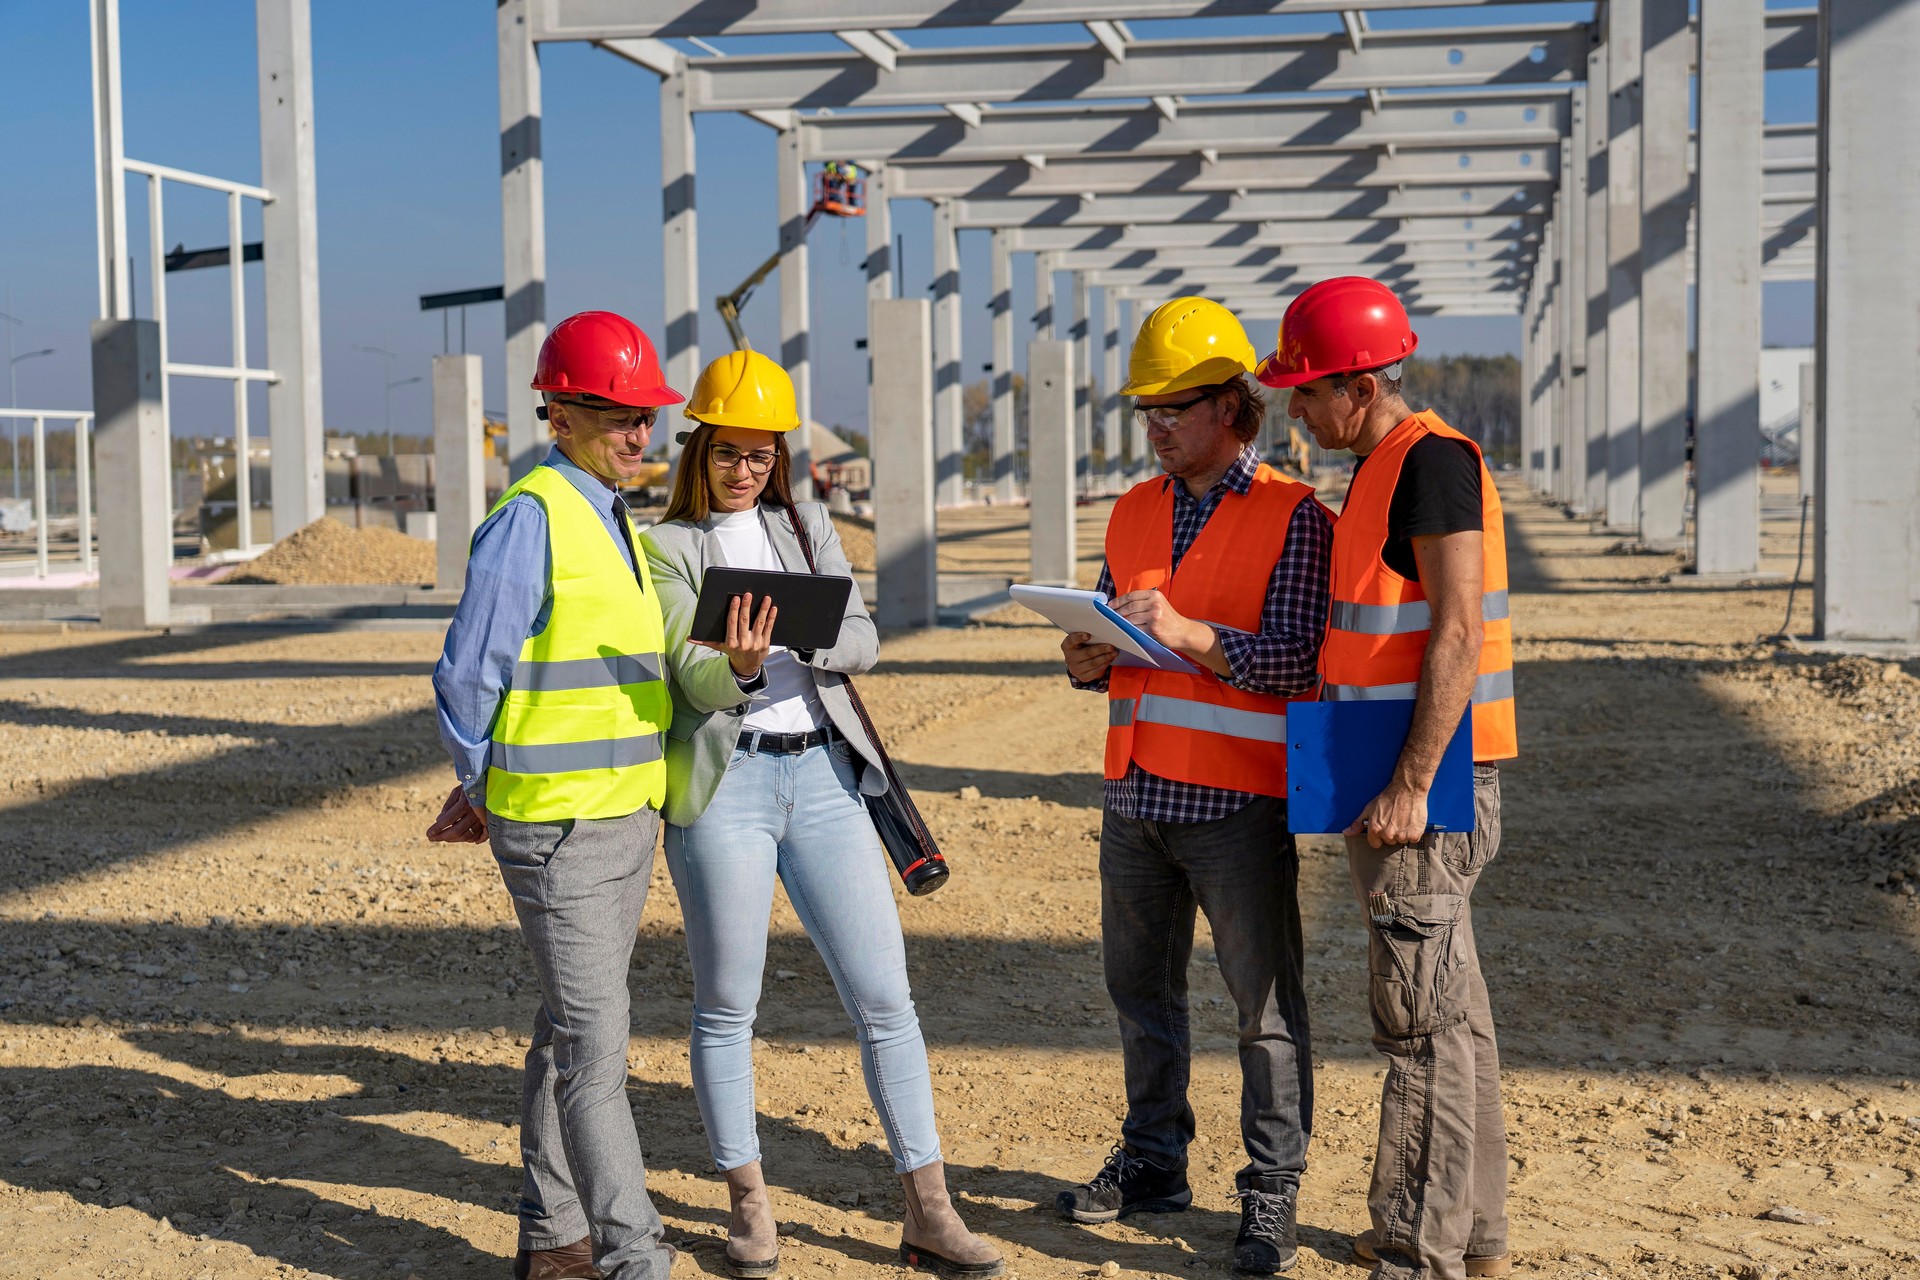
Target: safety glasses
<point x="1166" y="416"/>
<point x="616" y="419"/>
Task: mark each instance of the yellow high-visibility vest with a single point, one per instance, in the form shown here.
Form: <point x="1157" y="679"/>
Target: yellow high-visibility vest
<point x="578" y="734"/>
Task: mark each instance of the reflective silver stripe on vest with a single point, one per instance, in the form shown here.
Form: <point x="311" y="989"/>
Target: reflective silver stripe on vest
<point x="586" y="673"/>
<point x="1259" y="726"/>
<point x="573" y="757"/>
<point x="1405" y="618"/>
<point x="1119" y="712"/>
<point x="1495" y="686"/>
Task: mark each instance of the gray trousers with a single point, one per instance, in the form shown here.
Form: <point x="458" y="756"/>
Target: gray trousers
<point x="578" y="888"/>
<point x="1439" y="1189"/>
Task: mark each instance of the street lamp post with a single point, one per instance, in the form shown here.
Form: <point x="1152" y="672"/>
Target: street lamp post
<point x="403" y="382"/>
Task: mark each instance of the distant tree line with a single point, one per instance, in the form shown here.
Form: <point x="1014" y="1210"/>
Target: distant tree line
<point x="1476" y="395"/>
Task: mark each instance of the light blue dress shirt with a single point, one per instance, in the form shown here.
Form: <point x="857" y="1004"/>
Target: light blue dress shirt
<point x="507" y="598"/>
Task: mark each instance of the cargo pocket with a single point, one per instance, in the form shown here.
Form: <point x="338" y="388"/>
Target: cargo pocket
<point x="1469" y="852"/>
<point x="1413" y="960"/>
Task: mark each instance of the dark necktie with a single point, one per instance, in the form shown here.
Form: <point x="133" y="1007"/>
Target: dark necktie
<point x="626" y="536"/>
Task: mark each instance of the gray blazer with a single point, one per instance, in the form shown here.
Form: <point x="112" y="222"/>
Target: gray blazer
<point x="708" y="704"/>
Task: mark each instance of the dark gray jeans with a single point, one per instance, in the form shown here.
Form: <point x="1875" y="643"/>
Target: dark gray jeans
<point x="1243" y="871"/>
<point x="1439" y="1189"/>
<point x="578" y="888"/>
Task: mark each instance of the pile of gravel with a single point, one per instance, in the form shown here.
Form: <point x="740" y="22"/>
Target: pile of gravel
<point x="328" y="553"/>
<point x="856" y="539"/>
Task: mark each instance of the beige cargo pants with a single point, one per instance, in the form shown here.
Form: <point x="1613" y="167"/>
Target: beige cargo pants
<point x="1439" y="1189"/>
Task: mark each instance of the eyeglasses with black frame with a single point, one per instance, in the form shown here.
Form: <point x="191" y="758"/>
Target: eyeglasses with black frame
<point x="759" y="462"/>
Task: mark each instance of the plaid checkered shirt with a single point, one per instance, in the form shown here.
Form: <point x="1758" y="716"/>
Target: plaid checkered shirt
<point x="1282" y="658"/>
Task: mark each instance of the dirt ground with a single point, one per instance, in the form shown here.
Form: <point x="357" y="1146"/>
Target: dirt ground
<point x="252" y="1025"/>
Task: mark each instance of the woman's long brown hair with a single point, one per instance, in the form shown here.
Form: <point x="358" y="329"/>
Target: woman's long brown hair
<point x="692" y="497"/>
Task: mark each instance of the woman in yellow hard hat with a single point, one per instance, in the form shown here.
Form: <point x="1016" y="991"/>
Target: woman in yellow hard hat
<point x="766" y="765"/>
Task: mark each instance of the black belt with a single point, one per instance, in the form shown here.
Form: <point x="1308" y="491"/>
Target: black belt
<point x="784" y="744"/>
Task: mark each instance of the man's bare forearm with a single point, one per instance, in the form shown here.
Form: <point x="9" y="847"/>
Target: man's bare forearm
<point x="1447" y="673"/>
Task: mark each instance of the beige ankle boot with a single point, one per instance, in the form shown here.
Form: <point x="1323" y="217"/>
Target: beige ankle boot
<point x="933" y="1237"/>
<point x="753" y="1242"/>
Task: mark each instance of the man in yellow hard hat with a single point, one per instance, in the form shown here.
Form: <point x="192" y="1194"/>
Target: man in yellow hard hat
<point x="1195" y="811"/>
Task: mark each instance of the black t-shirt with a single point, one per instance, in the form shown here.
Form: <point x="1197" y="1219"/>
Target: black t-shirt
<point x="1438" y="492"/>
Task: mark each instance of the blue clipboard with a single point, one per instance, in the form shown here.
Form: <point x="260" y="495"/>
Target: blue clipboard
<point x="1164" y="659"/>
<point x="1340" y="755"/>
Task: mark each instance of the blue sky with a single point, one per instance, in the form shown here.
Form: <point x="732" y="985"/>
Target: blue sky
<point x="406" y="105"/>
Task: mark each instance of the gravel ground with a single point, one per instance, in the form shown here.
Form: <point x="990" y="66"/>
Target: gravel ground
<point x="252" y="1025"/>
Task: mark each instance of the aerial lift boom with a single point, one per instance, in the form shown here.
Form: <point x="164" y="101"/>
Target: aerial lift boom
<point x="839" y="192"/>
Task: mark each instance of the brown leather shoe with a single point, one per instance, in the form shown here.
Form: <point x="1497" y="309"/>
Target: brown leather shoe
<point x="1366" y="1252"/>
<point x="568" y="1262"/>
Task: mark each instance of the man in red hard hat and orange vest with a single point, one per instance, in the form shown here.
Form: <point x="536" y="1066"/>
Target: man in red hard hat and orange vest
<point x="1419" y="612"/>
<point x="552" y="704"/>
<point x="1225" y="561"/>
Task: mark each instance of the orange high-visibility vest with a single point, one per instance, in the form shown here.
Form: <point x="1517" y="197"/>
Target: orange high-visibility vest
<point x="1378" y="627"/>
<point x="1198" y="728"/>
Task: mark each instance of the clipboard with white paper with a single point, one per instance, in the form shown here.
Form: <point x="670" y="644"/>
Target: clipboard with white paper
<point x="1089" y="611"/>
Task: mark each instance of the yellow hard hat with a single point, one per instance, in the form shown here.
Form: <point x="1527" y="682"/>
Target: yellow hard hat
<point x="744" y="389"/>
<point x="1186" y="343"/>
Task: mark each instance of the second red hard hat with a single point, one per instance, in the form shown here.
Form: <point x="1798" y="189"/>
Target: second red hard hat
<point x="1343" y="325"/>
<point x="599" y="353"/>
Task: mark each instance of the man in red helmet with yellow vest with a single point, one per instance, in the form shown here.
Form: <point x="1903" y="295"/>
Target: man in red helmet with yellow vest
<point x="1225" y="561"/>
<point x="1419" y="612"/>
<point x="552" y="705"/>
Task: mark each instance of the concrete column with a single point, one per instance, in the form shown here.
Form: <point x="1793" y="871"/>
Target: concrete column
<point x="1005" y="447"/>
<point x="1867" y="328"/>
<point x="879" y="220"/>
<point x="290" y="228"/>
<point x="1113" y="479"/>
<point x="1623" y="266"/>
<point x="1597" y="290"/>
<point x="1666" y="197"/>
<point x="1727" y="435"/>
<point x="1573" y="430"/>
<point x="1046" y="317"/>
<point x="130" y="448"/>
<point x="459" y="465"/>
<point x="523" y="230"/>
<point x="1140" y="459"/>
<point x="1050" y="461"/>
<point x="900" y="417"/>
<point x="1530" y="462"/>
<point x="680" y="252"/>
<point x="796" y="338"/>
<point x="1809" y="429"/>
<point x="1082" y="335"/>
<point x="109" y="151"/>
<point x="949" y="429"/>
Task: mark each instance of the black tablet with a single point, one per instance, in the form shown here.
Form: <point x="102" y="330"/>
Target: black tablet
<point x="811" y="606"/>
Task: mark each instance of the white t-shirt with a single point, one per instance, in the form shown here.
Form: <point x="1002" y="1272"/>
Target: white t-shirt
<point x="790" y="703"/>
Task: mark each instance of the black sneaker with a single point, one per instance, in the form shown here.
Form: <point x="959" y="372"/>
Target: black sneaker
<point x="1128" y="1183"/>
<point x="1267" y="1243"/>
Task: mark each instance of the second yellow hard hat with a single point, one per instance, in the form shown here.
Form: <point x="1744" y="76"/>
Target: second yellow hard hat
<point x="1186" y="343"/>
<point x="744" y="389"/>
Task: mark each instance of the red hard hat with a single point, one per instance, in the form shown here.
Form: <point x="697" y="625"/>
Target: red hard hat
<point x="1343" y="325"/>
<point x="602" y="354"/>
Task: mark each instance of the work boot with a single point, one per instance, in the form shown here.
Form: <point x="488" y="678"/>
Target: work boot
<point x="568" y="1262"/>
<point x="1366" y="1252"/>
<point x="1268" y="1242"/>
<point x="1128" y="1183"/>
<point x="753" y="1242"/>
<point x="934" y="1239"/>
